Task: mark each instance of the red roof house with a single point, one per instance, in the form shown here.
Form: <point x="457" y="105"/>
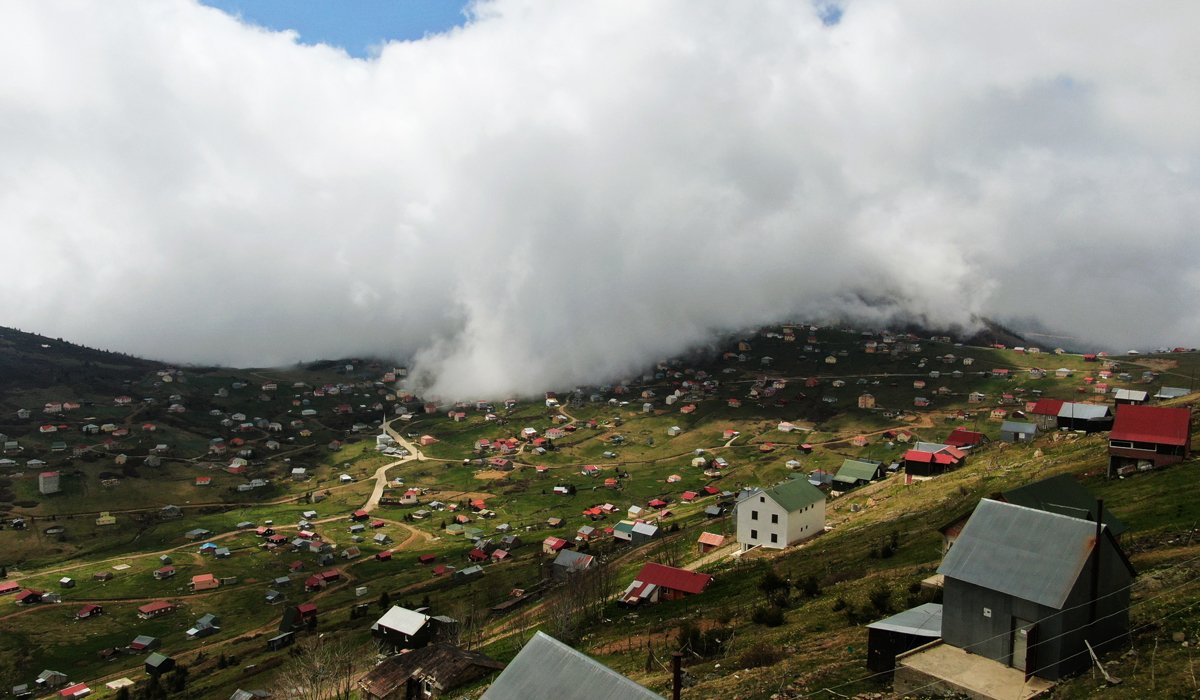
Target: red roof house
<point x="657" y="582"/>
<point x="158" y="607"/>
<point x="1148" y="437"/>
<point x="961" y="437"/>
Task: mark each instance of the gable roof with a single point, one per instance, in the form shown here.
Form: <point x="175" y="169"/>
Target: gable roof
<point x="1084" y="411"/>
<point x="573" y="560"/>
<point x="855" y="470"/>
<point x="1013" y="426"/>
<point x="1064" y="495"/>
<point x="1130" y="395"/>
<point x="711" y="539"/>
<point x="401" y="620"/>
<point x="1168" y="426"/>
<point x="794" y="494"/>
<point x="961" y="437"/>
<point x="547" y="669"/>
<point x="1023" y="552"/>
<point x="675" y="579"/>
<point x="1047" y="407"/>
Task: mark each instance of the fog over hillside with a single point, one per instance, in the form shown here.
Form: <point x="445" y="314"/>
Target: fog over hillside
<point x="561" y="192"/>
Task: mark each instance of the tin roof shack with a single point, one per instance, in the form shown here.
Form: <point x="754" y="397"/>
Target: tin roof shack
<point x="857" y="472"/>
<point x="547" y="669"/>
<point x="401" y="628"/>
<point x="426" y="673"/>
<point x="900" y="633"/>
<point x="1088" y="417"/>
<point x="1017" y="431"/>
<point x="1025" y="588"/>
<point x="1148" y="437"/>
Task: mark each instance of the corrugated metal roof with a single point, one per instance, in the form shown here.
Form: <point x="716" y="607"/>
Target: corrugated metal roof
<point x="855" y="470"/>
<point x="1168" y="426"/>
<point x="923" y="621"/>
<point x="1084" y="411"/>
<point x="402" y="620"/>
<point x="1171" y="392"/>
<point x="1130" y="395"/>
<point x="1023" y="552"/>
<point x="673" y="578"/>
<point x="1064" y="495"/>
<point x="1012" y="426"/>
<point x="547" y="669"/>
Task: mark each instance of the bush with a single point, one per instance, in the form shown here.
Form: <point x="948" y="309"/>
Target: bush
<point x="809" y="586"/>
<point x="839" y="604"/>
<point x="880" y="597"/>
<point x="760" y="655"/>
<point x="770" y="616"/>
<point x="704" y="643"/>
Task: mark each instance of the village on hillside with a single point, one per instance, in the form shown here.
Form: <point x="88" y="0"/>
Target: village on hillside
<point x="811" y="509"/>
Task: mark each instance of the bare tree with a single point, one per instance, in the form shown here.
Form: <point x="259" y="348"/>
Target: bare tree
<point x="320" y="668"/>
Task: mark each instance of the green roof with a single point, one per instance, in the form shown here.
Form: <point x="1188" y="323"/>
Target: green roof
<point x="795" y="494"/>
<point x="854" y="470"/>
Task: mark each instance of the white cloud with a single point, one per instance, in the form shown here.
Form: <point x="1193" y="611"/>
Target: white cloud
<point x="562" y="192"/>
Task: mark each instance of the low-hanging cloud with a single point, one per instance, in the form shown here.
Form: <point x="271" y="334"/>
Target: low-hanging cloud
<point x="558" y="193"/>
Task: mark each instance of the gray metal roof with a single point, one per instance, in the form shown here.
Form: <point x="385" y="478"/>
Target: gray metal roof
<point x="1013" y="426"/>
<point x="1023" y="552"/>
<point x="1084" y="411"/>
<point x="1171" y="392"/>
<point x="1064" y="495"/>
<point x="922" y="621"/>
<point x="547" y="669"/>
<point x="1130" y="394"/>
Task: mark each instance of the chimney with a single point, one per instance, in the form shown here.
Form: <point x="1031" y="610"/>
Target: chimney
<point x="676" y="674"/>
<point x="1096" y="561"/>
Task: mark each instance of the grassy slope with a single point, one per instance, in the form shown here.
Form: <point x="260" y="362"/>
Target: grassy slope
<point x="822" y="648"/>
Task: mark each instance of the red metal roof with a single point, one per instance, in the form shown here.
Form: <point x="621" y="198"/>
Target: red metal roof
<point x="961" y="437"/>
<point x="918" y="456"/>
<point x="1047" y="407"/>
<point x="1166" y="426"/>
<point x="155" y="607"/>
<point x="674" y="579"/>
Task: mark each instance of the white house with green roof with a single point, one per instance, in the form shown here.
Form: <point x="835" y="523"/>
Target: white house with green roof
<point x="780" y="516"/>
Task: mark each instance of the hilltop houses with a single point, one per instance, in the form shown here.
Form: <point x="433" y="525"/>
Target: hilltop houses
<point x="780" y="516"/>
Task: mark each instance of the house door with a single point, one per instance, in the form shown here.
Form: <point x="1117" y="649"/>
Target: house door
<point x="1020" y="642"/>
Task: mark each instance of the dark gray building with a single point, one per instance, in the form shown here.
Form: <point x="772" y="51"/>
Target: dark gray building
<point x="1017" y="431"/>
<point x="1026" y="587"/>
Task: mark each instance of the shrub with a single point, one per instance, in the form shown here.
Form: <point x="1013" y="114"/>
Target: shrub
<point x="770" y="616"/>
<point x="760" y="655"/>
<point x="809" y="586"/>
<point x="839" y="604"/>
<point x="880" y="597"/>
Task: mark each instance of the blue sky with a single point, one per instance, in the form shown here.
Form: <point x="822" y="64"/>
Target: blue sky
<point x="354" y="25"/>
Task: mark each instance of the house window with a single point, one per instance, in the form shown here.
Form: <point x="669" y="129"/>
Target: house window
<point x="774" y="538"/>
<point x="774" y="518"/>
<point x="762" y="499"/>
<point x="754" y="515"/>
<point x="754" y="534"/>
